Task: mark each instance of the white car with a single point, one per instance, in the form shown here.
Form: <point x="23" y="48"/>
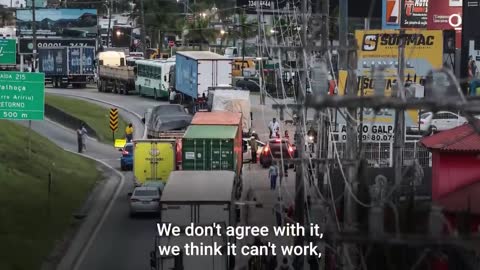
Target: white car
<point x="440" y="121"/>
<point x="144" y="200"/>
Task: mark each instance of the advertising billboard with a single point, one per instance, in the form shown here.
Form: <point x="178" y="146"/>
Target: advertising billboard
<point x="60" y="22"/>
<point x="414" y="13"/>
<point x="423" y="51"/>
<point x="391" y="14"/>
<point x="446" y="15"/>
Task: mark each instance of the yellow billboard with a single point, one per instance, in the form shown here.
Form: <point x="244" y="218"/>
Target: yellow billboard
<point x="380" y="48"/>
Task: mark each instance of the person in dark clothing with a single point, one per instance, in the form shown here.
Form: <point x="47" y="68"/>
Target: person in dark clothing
<point x="79" y="140"/>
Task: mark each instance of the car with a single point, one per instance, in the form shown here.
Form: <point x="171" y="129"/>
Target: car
<point x="156" y="184"/>
<point x="253" y="85"/>
<point x="276" y="149"/>
<point x="126" y="160"/>
<point x="144" y="200"/>
<point x="433" y="122"/>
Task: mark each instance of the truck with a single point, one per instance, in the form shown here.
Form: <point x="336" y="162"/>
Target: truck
<point x="214" y="148"/>
<point x="67" y="65"/>
<point x="153" y="159"/>
<point x="200" y="198"/>
<point x="230" y="100"/>
<point x="114" y="75"/>
<point x="195" y="71"/>
<point x="167" y="122"/>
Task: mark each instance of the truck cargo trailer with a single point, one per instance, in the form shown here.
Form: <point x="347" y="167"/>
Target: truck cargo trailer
<point x="196" y="71"/>
<point x="67" y="65"/>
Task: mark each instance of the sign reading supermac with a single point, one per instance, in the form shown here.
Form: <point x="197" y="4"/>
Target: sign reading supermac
<point x="25" y="45"/>
<point x="420" y="46"/>
<point x="423" y="51"/>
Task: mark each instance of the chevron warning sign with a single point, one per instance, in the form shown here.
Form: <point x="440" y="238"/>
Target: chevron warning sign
<point x="114" y="119"/>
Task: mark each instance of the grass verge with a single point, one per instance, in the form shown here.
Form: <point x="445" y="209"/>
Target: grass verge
<point x="95" y="116"/>
<point x="28" y="231"/>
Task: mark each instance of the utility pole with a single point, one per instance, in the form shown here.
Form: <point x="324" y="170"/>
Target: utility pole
<point x="299" y="134"/>
<point x="260" y="57"/>
<point x="34" y="69"/>
<point x="142" y="15"/>
<point x="109" y="30"/>
<point x="399" y="139"/>
<point x="343" y="33"/>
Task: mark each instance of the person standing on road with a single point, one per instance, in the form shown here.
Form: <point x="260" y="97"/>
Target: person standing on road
<point x="273" y="127"/>
<point x="173" y="94"/>
<point x="129" y="132"/>
<point x="81" y="139"/>
<point x="253" y="148"/>
<point x="273" y="174"/>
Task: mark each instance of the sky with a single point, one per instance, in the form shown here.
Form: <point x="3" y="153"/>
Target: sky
<point x="53" y="14"/>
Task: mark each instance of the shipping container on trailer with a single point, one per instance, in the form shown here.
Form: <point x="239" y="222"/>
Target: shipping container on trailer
<point x="213" y="148"/>
<point x="195" y="71"/>
<point x="223" y="118"/>
<point x="153" y="160"/>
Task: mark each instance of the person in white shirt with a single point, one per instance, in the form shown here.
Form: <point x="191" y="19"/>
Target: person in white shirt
<point x="273" y="126"/>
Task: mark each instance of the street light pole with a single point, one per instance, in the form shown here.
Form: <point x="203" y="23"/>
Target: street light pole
<point x="109" y="22"/>
<point x="142" y="15"/>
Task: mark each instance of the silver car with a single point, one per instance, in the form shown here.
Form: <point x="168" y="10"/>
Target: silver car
<point x="144" y="200"/>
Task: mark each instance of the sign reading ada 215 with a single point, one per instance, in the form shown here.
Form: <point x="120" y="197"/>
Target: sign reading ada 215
<point x="22" y="95"/>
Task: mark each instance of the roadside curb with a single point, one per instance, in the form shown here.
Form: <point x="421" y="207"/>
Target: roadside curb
<point x="103" y="197"/>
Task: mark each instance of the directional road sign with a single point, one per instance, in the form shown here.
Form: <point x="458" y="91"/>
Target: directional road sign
<point x="114" y="119"/>
<point x="22" y="95"/>
<point x="8" y="51"/>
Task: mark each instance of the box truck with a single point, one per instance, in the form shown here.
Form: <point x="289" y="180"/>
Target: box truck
<point x="114" y="75"/>
<point x="200" y="198"/>
<point x="195" y="71"/>
<point x="67" y="65"/>
<point x="153" y="160"/>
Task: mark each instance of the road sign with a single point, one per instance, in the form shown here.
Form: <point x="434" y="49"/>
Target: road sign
<point x="8" y="51"/>
<point x="114" y="119"/>
<point x="171" y="43"/>
<point x="22" y="95"/>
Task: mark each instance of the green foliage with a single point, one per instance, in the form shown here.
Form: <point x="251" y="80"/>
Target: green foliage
<point x="27" y="232"/>
<point x="95" y="116"/>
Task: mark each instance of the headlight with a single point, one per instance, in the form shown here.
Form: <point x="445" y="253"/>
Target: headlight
<point x="310" y="138"/>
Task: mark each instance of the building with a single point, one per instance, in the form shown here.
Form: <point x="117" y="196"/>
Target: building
<point x="456" y="173"/>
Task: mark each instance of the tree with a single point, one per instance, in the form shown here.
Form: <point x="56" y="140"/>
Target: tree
<point x="244" y="30"/>
<point x="199" y="31"/>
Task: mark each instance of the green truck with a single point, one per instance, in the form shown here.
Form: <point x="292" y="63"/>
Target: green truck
<point x="213" y="148"/>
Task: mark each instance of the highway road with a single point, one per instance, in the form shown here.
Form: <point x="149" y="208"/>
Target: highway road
<point x="124" y="243"/>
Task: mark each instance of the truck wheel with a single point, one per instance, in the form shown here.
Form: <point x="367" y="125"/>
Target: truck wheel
<point x="99" y="86"/>
<point x="63" y="85"/>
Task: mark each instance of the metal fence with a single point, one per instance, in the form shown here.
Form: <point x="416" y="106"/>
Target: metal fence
<point x="380" y="154"/>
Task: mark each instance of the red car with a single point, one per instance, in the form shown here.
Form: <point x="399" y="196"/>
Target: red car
<point x="276" y="149"/>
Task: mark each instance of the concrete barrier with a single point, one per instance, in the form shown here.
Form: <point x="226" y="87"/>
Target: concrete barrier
<point x="67" y="120"/>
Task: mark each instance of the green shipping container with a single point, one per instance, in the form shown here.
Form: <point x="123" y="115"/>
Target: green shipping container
<point x="208" y="147"/>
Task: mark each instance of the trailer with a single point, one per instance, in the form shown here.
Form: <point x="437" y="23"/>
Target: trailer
<point x="200" y="198"/>
<point x="195" y="71"/>
<point x="114" y="75"/>
<point x="63" y="66"/>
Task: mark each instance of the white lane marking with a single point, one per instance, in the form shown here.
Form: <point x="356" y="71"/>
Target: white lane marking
<point x="93" y="236"/>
